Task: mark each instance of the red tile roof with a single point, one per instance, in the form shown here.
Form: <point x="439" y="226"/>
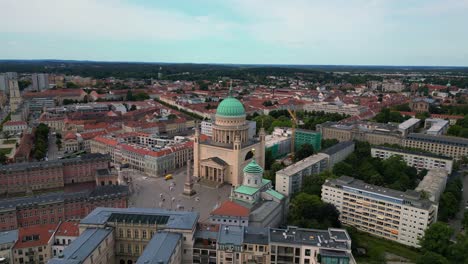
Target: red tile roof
<point x="40" y="233"/>
<point x="68" y="229"/>
<point x="15" y="123"/>
<point x="229" y="208"/>
<point x="106" y="141"/>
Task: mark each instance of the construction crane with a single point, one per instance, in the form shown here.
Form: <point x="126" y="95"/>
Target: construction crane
<point x="295" y="122"/>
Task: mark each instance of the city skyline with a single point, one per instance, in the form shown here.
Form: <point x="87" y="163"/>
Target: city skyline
<point x="419" y="33"/>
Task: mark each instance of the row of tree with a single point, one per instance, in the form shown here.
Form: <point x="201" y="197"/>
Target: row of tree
<point x="438" y="248"/>
<point x="393" y="172"/>
<point x="460" y="129"/>
<point x="41" y="141"/>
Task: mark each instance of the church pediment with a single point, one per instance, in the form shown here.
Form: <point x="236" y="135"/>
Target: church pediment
<point x="214" y="162"/>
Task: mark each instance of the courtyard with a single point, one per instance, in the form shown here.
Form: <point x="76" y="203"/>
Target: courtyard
<point x="152" y="192"/>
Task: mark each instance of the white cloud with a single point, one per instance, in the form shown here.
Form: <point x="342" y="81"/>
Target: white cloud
<point x="310" y="22"/>
<point x="108" y="18"/>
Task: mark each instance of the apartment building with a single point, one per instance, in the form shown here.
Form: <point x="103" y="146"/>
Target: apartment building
<point x="237" y="245"/>
<point x="34" y="244"/>
<point x="399" y="216"/>
<point x="94" y="245"/>
<point x="419" y="160"/>
<point x="289" y="180"/>
<point x="455" y="147"/>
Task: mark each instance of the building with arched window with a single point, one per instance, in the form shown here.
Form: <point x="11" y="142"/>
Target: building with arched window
<point x="221" y="158"/>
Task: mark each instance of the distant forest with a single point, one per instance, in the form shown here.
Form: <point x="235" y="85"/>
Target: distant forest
<point x="212" y="72"/>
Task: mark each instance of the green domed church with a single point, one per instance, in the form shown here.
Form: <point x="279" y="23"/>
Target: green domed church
<point x="221" y="158"/>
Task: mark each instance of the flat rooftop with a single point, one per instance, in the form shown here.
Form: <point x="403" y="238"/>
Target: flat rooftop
<point x="160" y="248"/>
<point x="333" y="238"/>
<point x="302" y="164"/>
<point x="409" y="123"/>
<point x="169" y="219"/>
<point x="337" y="147"/>
<point x="410" y="197"/>
<point x="83" y="246"/>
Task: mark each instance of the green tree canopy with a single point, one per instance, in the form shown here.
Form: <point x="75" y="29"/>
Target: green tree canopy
<point x="437" y="238"/>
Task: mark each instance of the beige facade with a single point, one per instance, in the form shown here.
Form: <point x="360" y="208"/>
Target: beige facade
<point x="222" y="158"/>
<point x="454" y="147"/>
<point x="374" y="133"/>
<point x="224" y="163"/>
<point x="399" y="216"/>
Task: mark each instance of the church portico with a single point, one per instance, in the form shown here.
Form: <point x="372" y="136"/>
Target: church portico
<point x="213" y="169"/>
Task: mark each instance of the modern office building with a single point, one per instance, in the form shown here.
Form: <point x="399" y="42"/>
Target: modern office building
<point x="455" y="147"/>
<point x="303" y="136"/>
<point x="399" y="216"/>
<point x="338" y="108"/>
<point x="289" y="180"/>
<point x="419" y="160"/>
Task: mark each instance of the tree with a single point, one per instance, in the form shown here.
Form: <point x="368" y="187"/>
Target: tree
<point x="267" y="103"/>
<point x="326" y="143"/>
<point x="458" y="252"/>
<point x="129" y="95"/>
<point x="269" y="160"/>
<point x="310" y="212"/>
<point x="437" y="238"/>
<point x="433" y="258"/>
<point x="303" y="152"/>
<point x="3" y="158"/>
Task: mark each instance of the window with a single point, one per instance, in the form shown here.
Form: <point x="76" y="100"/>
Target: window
<point x="129" y="233"/>
<point x="136" y="234"/>
<point x="144" y="234"/>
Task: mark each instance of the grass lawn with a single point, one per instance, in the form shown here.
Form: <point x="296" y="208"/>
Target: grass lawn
<point x="377" y="247"/>
<point x="9" y="141"/>
<point x="5" y="151"/>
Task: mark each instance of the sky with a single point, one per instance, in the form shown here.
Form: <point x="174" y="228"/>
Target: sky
<point x="326" y="32"/>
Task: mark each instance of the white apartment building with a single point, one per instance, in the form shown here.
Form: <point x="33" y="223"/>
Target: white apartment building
<point x="419" y="160"/>
<point x="289" y="180"/>
<point x="399" y="216"/>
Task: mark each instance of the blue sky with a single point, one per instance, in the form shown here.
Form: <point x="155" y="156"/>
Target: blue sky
<point x="352" y="32"/>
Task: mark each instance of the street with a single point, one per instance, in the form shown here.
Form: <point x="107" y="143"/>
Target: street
<point x="52" y="150"/>
<point x="456" y="223"/>
<point x="157" y="192"/>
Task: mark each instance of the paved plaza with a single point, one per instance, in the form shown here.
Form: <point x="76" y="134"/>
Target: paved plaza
<point x="155" y="192"/>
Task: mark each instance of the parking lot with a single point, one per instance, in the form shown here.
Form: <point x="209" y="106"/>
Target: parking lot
<point x="159" y="193"/>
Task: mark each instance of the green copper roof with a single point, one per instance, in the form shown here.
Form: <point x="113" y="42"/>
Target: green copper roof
<point x="265" y="181"/>
<point x="246" y="190"/>
<point x="275" y="194"/>
<point x="253" y="167"/>
<point x="230" y="107"/>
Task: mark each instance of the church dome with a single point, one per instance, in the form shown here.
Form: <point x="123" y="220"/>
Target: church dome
<point x="230" y="107"/>
<point x="253" y="168"/>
